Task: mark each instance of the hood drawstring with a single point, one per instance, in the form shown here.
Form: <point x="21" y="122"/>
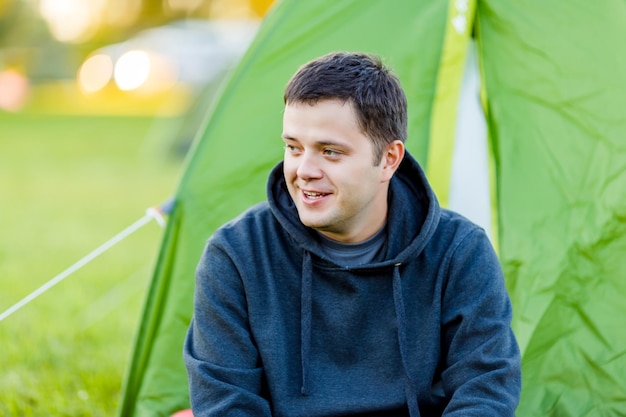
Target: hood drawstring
<point x="305" y="330"/>
<point x="398" y="301"/>
<point x="305" y="320"/>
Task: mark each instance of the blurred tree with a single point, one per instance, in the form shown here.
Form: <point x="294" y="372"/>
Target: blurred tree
<point x="27" y="27"/>
<point x="21" y="34"/>
<point x="17" y="27"/>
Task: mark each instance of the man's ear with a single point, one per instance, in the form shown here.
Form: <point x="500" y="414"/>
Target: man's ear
<point x="393" y="155"/>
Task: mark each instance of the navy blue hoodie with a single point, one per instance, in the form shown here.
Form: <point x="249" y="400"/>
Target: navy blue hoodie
<point x="281" y="330"/>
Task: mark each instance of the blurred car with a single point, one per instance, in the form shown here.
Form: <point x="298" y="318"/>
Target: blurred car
<point x="192" y="51"/>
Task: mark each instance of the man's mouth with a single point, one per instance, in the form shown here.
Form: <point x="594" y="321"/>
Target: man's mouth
<point x="311" y="195"/>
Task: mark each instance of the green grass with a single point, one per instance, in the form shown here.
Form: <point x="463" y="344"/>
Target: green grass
<point x="67" y="185"/>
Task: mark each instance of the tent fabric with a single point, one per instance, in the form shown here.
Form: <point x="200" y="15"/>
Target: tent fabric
<point x="554" y="75"/>
<point x="553" y="80"/>
<point x="439" y="162"/>
<point x="240" y="142"/>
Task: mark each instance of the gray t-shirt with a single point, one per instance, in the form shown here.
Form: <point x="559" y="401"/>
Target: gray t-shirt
<point x="355" y="254"/>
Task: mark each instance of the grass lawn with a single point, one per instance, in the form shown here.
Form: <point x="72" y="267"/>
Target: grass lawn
<point x="67" y="185"/>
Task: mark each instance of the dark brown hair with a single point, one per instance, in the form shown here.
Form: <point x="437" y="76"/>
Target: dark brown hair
<point x="361" y="80"/>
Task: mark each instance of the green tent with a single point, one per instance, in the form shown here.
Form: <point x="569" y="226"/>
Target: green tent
<point x="553" y="77"/>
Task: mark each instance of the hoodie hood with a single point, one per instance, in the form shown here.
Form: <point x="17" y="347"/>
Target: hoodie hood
<point x="412" y="217"/>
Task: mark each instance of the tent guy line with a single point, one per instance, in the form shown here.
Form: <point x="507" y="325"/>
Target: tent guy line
<point x="155" y="213"/>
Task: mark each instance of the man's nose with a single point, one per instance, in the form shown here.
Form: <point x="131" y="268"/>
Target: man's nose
<point x="308" y="166"/>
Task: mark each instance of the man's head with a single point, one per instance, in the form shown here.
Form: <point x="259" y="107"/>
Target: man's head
<point x="362" y="81"/>
<point x="344" y="126"/>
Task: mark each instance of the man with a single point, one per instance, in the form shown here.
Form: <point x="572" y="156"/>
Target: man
<point x="350" y="292"/>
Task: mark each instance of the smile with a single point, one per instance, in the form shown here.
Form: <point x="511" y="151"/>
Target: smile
<point x="312" y="195"/>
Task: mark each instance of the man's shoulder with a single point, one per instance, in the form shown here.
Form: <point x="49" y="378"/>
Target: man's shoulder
<point x="259" y="212"/>
<point x="456" y="220"/>
<point x="255" y="221"/>
<point x="455" y="227"/>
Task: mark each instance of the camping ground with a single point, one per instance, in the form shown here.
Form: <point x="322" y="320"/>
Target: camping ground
<point x="69" y="183"/>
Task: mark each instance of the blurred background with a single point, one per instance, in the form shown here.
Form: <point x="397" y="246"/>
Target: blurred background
<point x="119" y="56"/>
<point x="99" y="103"/>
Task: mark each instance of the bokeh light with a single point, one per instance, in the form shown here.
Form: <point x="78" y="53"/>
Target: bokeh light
<point x="14" y="88"/>
<point x="141" y="70"/>
<point x="132" y="70"/>
<point x="71" y="20"/>
<point x="95" y="73"/>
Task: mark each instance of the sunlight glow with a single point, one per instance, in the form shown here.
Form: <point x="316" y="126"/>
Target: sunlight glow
<point x="69" y="20"/>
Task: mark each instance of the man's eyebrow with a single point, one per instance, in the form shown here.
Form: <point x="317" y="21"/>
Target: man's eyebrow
<point x="330" y="143"/>
<point x="319" y="143"/>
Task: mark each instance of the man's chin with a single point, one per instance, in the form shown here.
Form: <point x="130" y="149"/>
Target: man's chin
<point x="316" y="224"/>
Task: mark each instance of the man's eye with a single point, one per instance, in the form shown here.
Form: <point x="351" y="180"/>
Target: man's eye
<point x="291" y="148"/>
<point x="331" y="152"/>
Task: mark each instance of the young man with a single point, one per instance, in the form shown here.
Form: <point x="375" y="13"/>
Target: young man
<point x="350" y="292"/>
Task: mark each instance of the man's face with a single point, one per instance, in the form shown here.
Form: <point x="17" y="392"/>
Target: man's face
<point x="330" y="173"/>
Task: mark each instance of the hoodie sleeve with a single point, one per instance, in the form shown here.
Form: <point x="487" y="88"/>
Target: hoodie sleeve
<point x="223" y="366"/>
<point x="482" y="375"/>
